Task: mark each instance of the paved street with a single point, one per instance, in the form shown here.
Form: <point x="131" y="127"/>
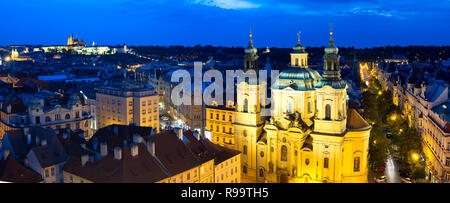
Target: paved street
<point x="391" y="172"/>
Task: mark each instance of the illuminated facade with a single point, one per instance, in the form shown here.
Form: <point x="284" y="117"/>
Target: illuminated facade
<point x="219" y="123"/>
<point x="44" y="109"/>
<point x="423" y="102"/>
<point x="78" y="46"/>
<point x="16" y="57"/>
<point x="130" y="103"/>
<point x="311" y="136"/>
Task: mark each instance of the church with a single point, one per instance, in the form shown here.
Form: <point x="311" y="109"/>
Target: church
<point x="311" y="135"/>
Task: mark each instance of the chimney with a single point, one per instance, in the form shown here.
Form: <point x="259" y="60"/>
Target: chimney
<point x="134" y="150"/>
<point x="151" y="147"/>
<point x="84" y="159"/>
<point x="103" y="149"/>
<point x="26" y="131"/>
<point x="28" y="138"/>
<point x="44" y="142"/>
<point x="5" y="154"/>
<point x="117" y="153"/>
<point x="137" y="138"/>
<point x="65" y="136"/>
<point x="116" y="130"/>
<point x="37" y="141"/>
<point x="197" y="135"/>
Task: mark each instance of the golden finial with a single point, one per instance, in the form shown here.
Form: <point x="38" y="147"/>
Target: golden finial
<point x="251" y="32"/>
<point x="331" y="29"/>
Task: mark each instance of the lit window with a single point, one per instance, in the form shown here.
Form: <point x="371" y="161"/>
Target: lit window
<point x="356" y="164"/>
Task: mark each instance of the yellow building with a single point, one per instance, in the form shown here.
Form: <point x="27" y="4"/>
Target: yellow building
<point x="16" y="57"/>
<point x="311" y="136"/>
<point x="130" y="103"/>
<point x="219" y="123"/>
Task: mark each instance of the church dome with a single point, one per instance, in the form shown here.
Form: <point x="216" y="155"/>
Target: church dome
<point x="300" y="74"/>
<point x="250" y="50"/>
<point x="298" y="79"/>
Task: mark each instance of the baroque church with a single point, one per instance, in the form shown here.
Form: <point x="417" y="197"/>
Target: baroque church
<point x="311" y="135"/>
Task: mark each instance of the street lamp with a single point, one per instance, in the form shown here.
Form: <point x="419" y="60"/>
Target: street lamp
<point x="415" y="156"/>
<point x="394" y="117"/>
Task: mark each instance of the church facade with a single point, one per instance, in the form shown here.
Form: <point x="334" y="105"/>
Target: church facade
<point x="311" y="135"/>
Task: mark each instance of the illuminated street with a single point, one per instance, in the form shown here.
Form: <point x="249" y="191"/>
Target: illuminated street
<point x="391" y="172"/>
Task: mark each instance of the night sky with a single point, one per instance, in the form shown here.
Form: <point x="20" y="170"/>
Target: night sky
<point x="359" y="23"/>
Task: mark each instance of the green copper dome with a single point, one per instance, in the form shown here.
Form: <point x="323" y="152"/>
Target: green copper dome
<point x="300" y="74"/>
<point x="298" y="79"/>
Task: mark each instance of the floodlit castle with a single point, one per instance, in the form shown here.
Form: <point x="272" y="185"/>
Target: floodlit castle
<point x="78" y="46"/>
<point x="311" y="135"/>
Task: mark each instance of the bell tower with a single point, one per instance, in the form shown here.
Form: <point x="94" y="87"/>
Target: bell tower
<point x="299" y="57"/>
<point x="331" y="115"/>
<point x="70" y="41"/>
<point x="248" y="123"/>
<point x="251" y="57"/>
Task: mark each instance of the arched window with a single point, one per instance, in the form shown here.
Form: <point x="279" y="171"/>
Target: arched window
<point x="244" y="169"/>
<point x="296" y="62"/>
<point x="245" y="105"/>
<point x="328" y="112"/>
<point x="48" y="119"/>
<point x="309" y="107"/>
<point x="284" y="152"/>
<point x="290" y="106"/>
<point x="356" y="164"/>
<point x="67" y="116"/>
<point x="325" y="163"/>
<point x="261" y="172"/>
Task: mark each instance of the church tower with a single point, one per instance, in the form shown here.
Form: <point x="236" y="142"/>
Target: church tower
<point x="299" y="57"/>
<point x="331" y="114"/>
<point x="251" y="57"/>
<point x="248" y="122"/>
<point x="330" y="122"/>
<point x="70" y="41"/>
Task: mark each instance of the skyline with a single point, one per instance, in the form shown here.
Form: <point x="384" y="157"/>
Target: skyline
<point x="358" y="23"/>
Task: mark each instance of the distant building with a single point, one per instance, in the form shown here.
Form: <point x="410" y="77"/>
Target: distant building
<point x="399" y="59"/>
<point x="78" y="46"/>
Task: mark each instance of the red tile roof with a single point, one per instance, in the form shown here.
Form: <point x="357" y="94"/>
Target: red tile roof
<point x="143" y="168"/>
<point x="12" y="171"/>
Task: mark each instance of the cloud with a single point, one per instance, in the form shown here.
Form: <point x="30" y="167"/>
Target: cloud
<point x="227" y="4"/>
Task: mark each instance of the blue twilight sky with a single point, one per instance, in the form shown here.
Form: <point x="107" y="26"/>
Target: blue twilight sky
<point x="359" y="23"/>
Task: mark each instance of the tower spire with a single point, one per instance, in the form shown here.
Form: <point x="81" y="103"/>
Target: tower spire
<point x="250" y="42"/>
<point x="331" y="35"/>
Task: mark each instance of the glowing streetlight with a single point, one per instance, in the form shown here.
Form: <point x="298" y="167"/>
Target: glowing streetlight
<point x="394" y="117"/>
<point x="380" y="92"/>
<point x="415" y="156"/>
